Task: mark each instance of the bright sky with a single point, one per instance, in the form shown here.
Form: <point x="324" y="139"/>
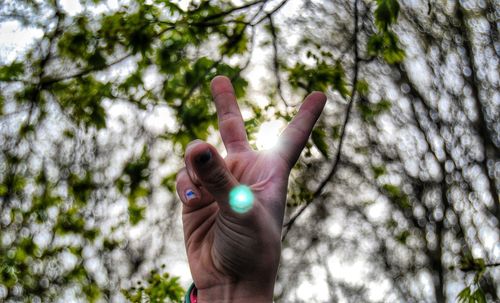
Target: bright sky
<point x="13" y="39"/>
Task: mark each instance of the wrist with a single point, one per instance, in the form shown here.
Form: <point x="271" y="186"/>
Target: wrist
<point x="241" y="292"/>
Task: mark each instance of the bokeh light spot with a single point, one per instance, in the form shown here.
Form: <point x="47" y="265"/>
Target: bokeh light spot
<point x="241" y="199"/>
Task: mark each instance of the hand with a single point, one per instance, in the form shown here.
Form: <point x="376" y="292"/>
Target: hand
<point x="234" y="256"/>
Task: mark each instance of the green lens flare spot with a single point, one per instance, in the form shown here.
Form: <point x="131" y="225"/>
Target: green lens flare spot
<point x="241" y="199"/>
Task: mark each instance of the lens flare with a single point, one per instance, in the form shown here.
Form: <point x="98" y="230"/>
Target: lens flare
<point x="241" y="199"/>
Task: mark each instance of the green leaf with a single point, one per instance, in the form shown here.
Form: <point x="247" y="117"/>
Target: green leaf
<point x="362" y="87"/>
<point x="11" y="72"/>
<point x="336" y="129"/>
<point x="386" y="45"/>
<point x="369" y="111"/>
<point x="478" y="295"/>
<point x="386" y="13"/>
<point x="135" y="213"/>
<point x="397" y="196"/>
<point x="171" y="56"/>
<point x="480" y="267"/>
<point x="320" y="77"/>
<point x="8" y="275"/>
<point x="236" y="43"/>
<point x="169" y="182"/>
<point x="70" y="222"/>
<point x="92" y="292"/>
<point x="29" y="93"/>
<point x="81" y="188"/>
<point x="392" y="53"/>
<point x="338" y="79"/>
<point x="402" y="236"/>
<point x="74" y="45"/>
<point x="157" y="288"/>
<point x="96" y="60"/>
<point x="3" y="189"/>
<point x="464" y="295"/>
<point x="82" y="98"/>
<point x="378" y="171"/>
<point x="375" y="44"/>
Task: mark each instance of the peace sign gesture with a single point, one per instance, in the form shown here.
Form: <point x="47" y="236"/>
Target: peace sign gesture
<point x="233" y="238"/>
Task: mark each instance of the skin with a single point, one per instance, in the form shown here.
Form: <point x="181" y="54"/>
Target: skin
<point x="234" y="257"/>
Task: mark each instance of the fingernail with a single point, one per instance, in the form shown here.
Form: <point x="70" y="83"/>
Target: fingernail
<point x="204" y="157"/>
<point x="190" y="194"/>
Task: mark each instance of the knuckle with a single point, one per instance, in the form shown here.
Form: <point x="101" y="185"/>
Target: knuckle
<point x="223" y="95"/>
<point x="218" y="178"/>
<point x="229" y="117"/>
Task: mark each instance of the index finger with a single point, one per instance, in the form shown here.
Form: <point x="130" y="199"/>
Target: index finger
<point x="231" y="125"/>
<point x="295" y="136"/>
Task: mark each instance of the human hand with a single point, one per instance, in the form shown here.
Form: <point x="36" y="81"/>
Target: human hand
<point x="234" y="256"/>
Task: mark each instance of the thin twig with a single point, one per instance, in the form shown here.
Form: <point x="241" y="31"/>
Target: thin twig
<point x="276" y="64"/>
<point x="234" y="9"/>
<point x="272" y="12"/>
<point x="475" y="267"/>
<point x="50" y="81"/>
<point x="252" y="47"/>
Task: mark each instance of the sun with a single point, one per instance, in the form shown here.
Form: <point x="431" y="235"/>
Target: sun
<point x="268" y="134"/>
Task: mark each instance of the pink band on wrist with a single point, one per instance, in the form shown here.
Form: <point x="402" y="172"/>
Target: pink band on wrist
<point x="191" y="294"/>
<point x="194" y="295"/>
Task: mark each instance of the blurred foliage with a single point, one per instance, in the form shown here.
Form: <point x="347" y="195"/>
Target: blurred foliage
<point x="385" y="42"/>
<point x="57" y="97"/>
<point x="472" y="293"/>
<point x="158" y="288"/>
<point x="84" y="160"/>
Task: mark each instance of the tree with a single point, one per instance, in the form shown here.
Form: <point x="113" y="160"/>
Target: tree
<point x="433" y="184"/>
<point x="96" y="113"/>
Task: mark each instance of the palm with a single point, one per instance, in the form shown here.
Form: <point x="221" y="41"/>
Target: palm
<point x="204" y="241"/>
<point x="223" y="245"/>
<point x="265" y="172"/>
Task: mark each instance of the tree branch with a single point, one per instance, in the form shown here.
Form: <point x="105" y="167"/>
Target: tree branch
<point x="276" y="65"/>
<point x="49" y="81"/>
<point x="474" y="267"/>
<point x="333" y="170"/>
<point x="232" y="10"/>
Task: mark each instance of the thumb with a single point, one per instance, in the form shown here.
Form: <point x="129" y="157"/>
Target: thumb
<point x="210" y="168"/>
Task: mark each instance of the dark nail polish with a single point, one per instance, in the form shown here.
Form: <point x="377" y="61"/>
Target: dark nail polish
<point x="204" y="157"/>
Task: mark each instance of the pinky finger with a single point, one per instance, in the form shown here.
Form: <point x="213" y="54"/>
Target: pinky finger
<point x="191" y="195"/>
